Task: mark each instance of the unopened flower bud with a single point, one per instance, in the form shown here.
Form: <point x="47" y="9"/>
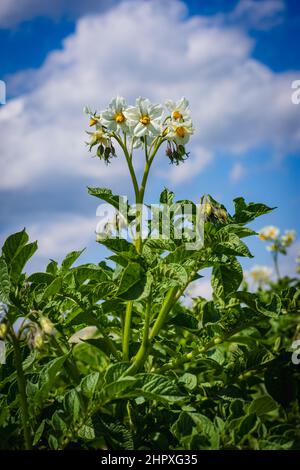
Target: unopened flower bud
<point x="38" y="341"/>
<point x="3" y="330"/>
<point x="207" y="209"/>
<point x="47" y="326"/>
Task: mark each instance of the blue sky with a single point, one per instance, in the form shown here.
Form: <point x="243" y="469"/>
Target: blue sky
<point x="235" y="60"/>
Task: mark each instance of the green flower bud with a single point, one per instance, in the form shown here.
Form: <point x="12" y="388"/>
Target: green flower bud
<point x="3" y="330"/>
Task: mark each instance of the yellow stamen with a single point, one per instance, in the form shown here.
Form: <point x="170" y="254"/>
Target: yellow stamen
<point x="145" y="120"/>
<point x="176" y="115"/>
<point x="180" y="131"/>
<point x="119" y="117"/>
<point x="93" y="121"/>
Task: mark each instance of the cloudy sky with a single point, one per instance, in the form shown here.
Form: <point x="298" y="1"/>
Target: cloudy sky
<point x="235" y="60"/>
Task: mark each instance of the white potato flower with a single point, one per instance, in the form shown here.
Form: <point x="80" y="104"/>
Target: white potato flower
<point x="261" y="274"/>
<point x="269" y="233"/>
<point x="180" y="132"/>
<point x="113" y="118"/>
<point x="179" y="109"/>
<point x="145" y="118"/>
<point x="100" y="136"/>
<point x="288" y="238"/>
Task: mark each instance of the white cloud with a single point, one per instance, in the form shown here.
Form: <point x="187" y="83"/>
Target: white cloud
<point x="198" y="162"/>
<point x="237" y="172"/>
<point x="199" y="288"/>
<point x="262" y="14"/>
<point x="145" y="48"/>
<point x="12" y="13"/>
<point x="66" y="233"/>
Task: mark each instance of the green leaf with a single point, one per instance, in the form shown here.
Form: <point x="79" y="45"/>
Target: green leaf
<point x="116" y="390"/>
<point x="13" y="244"/>
<point x="226" y="279"/>
<point x="230" y="244"/>
<point x="166" y="197"/>
<point x="210" y="313"/>
<point x="129" y="277"/>
<point x="106" y="195"/>
<point x="70" y="259"/>
<point x="238" y="229"/>
<point x="4" y="282"/>
<point x="72" y="405"/>
<point x="53" y="288"/>
<point x="89" y="384"/>
<point x="244" y="213"/>
<point x="115" y="371"/>
<point x="157" y="387"/>
<point x="195" y="431"/>
<point x="86" y="433"/>
<point x="41" y="278"/>
<point x="58" y="423"/>
<point x="48" y="376"/>
<point x="53" y="442"/>
<point x="38" y="433"/>
<point x="262" y="405"/>
<point x="52" y="267"/>
<point x="271" y="310"/>
<point x="101" y="343"/>
<point x="247" y="425"/>
<point x="117" y="436"/>
<point x="118" y="245"/>
<point x="21" y="258"/>
<point x="189" y="381"/>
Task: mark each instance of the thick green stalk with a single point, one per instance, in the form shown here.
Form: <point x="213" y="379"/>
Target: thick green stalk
<point x="126" y="332"/>
<point x="22" y="392"/>
<point x="142" y="352"/>
<point x="166" y="307"/>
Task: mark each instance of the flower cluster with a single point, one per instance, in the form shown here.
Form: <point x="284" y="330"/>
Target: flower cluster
<point x="260" y="274"/>
<point x="279" y="243"/>
<point x="145" y="124"/>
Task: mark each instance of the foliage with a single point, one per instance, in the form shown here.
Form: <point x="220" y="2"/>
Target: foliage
<point x="107" y="355"/>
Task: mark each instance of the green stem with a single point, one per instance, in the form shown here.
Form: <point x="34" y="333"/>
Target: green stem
<point x="275" y="258"/>
<point x="166" y="307"/>
<point x="128" y="157"/>
<point x="142" y="352"/>
<point x="22" y="392"/>
<point x="126" y="332"/>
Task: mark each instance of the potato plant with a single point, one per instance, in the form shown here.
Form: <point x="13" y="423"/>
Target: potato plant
<point x="108" y="355"/>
